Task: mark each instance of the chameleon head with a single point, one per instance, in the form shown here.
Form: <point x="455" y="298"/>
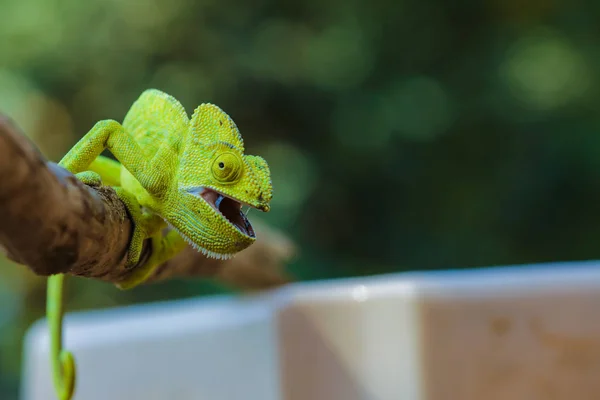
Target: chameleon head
<point x="214" y="180"/>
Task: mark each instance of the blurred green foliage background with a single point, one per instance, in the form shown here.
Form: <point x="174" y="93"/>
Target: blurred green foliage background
<point x="401" y="134"/>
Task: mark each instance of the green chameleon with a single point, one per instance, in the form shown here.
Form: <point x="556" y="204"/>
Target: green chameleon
<point x="190" y="174"/>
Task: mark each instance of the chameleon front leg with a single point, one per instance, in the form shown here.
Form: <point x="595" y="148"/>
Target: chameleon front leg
<point x="111" y="135"/>
<point x="144" y="225"/>
<point x="163" y="249"/>
<point x="105" y="134"/>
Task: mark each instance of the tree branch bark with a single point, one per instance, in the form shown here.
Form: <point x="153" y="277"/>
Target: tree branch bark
<point x="53" y="223"/>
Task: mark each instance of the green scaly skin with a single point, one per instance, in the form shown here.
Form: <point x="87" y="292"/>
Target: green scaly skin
<point x="189" y="173"/>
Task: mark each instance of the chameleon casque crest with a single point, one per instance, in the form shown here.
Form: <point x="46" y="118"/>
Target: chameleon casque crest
<point x="190" y="174"/>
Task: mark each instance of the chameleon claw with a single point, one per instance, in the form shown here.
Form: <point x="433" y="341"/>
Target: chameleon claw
<point x="89" y="178"/>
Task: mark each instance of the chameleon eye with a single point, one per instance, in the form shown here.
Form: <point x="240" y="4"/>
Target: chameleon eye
<point x="227" y="167"/>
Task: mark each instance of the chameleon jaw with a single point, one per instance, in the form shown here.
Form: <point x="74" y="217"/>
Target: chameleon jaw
<point x="229" y="208"/>
<point x="206" y="252"/>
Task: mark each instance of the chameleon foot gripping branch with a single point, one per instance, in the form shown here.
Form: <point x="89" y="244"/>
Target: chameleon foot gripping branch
<point x="188" y="173"/>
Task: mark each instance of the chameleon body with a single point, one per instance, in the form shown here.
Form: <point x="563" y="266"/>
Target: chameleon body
<point x="187" y="173"/>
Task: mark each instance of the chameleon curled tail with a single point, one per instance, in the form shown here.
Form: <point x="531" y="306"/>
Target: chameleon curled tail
<point x="63" y="363"/>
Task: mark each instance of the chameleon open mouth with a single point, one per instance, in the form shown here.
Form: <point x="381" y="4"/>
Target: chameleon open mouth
<point x="229" y="208"/>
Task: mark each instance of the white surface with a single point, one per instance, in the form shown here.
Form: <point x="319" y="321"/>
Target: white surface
<point x="518" y="333"/>
<point x="211" y="349"/>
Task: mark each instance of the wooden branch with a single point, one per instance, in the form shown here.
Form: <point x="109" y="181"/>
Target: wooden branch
<point x="53" y="223"/>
